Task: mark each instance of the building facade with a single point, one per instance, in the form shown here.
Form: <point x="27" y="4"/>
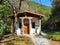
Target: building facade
<point x="27" y="23"/>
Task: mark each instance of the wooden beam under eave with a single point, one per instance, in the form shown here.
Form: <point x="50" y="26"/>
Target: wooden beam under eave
<point x="29" y="15"/>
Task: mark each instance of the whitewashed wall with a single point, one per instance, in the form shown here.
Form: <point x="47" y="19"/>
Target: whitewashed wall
<point x="18" y="30"/>
<point x="33" y="30"/>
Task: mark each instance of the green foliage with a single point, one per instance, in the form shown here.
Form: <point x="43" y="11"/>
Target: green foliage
<point x="52" y="34"/>
<point x="55" y="17"/>
<point x="41" y="9"/>
<point x="5" y="11"/>
<point x="54" y="20"/>
<point x="16" y="39"/>
<point x="1" y="32"/>
<point x="56" y="4"/>
<point x="56" y="7"/>
<point x="38" y="8"/>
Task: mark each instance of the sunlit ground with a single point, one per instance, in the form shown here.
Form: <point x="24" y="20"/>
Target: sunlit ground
<point x="54" y="36"/>
<point x="22" y="40"/>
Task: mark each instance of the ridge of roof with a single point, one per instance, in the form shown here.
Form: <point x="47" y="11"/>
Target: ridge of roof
<point x="32" y="13"/>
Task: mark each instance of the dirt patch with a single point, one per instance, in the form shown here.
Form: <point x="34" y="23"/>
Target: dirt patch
<point x="54" y="42"/>
<point x="13" y="40"/>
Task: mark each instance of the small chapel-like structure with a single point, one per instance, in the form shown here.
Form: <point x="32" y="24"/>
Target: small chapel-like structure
<point x="27" y="23"/>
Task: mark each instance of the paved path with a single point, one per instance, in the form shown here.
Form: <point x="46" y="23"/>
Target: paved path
<point x="40" y="40"/>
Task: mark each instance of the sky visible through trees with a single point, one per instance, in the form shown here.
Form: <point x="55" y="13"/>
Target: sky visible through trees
<point x="44" y="2"/>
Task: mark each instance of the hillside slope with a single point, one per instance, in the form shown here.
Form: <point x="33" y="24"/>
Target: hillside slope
<point x="33" y="6"/>
<point x="38" y="8"/>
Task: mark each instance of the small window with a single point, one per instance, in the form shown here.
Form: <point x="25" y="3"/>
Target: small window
<point x="33" y="24"/>
<point x="20" y="25"/>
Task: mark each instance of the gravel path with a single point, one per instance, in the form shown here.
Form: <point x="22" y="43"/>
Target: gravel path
<point x="40" y="40"/>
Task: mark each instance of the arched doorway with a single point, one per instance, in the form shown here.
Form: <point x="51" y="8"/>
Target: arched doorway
<point x="26" y="26"/>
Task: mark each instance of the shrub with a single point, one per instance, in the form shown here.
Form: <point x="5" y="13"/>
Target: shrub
<point x="1" y="32"/>
<point x="49" y="36"/>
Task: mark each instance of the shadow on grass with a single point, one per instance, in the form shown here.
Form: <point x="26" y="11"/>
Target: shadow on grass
<point x="51" y="32"/>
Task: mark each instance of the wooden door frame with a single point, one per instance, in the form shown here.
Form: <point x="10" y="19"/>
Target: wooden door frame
<point x="26" y="24"/>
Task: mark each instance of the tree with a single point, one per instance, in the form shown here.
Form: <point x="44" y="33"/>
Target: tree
<point x="1" y="1"/>
<point x="56" y="3"/>
<point x="6" y="8"/>
<point x="56" y="7"/>
<point x="16" y="5"/>
<point x="55" y="17"/>
<point x="5" y="11"/>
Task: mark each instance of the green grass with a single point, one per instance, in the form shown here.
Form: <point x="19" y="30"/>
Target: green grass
<point x="56" y="37"/>
<point x="53" y="34"/>
<point x="16" y="39"/>
<point x="22" y="40"/>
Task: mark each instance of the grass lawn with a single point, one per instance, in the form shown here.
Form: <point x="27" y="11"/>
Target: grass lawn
<point x="54" y="36"/>
<point x="22" y="40"/>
